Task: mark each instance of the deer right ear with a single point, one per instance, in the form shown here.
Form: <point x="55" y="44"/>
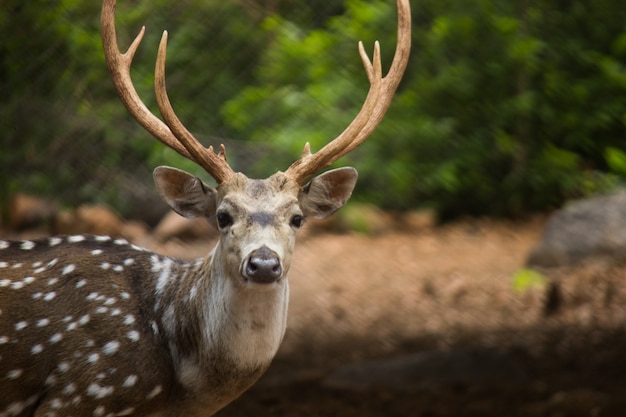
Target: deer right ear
<point x="186" y="194"/>
<point x="327" y="192"/>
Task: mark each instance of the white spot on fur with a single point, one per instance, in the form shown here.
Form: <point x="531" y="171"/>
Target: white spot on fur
<point x="17" y="285"/>
<point x="93" y="358"/>
<point x="69" y="389"/>
<point x="190" y="374"/>
<point x="4" y="244"/>
<point x="120" y="242"/>
<point x="133" y="335"/>
<point x="99" y="411"/>
<point x="50" y="296"/>
<point x="3" y="340"/>
<point x="156" y="391"/>
<point x="130" y="381"/>
<point x="53" y="241"/>
<point x="21" y="325"/>
<point x="56" y="338"/>
<point x="98" y="391"/>
<point x="103" y="238"/>
<point x="105" y="265"/>
<point x="76" y="239"/>
<point x="68" y="269"/>
<point x="56" y="403"/>
<point x="36" y="349"/>
<point x="14" y="374"/>
<point x="14" y="409"/>
<point x="43" y="322"/>
<point x="129" y="261"/>
<point x="155" y="328"/>
<point x="193" y="292"/>
<point x="53" y="281"/>
<point x="129" y="319"/>
<point x="96" y="252"/>
<point x="81" y="283"/>
<point x="165" y="276"/>
<point x="111" y="348"/>
<point x="5" y="282"/>
<point x="63" y="367"/>
<point x="27" y="245"/>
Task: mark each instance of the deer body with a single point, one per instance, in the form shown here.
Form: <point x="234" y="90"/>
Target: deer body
<point x="130" y="333"/>
<point x="95" y="326"/>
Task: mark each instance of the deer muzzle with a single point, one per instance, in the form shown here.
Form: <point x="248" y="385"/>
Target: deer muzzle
<point x="263" y="266"/>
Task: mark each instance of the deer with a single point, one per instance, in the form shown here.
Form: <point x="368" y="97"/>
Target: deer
<point x="97" y="326"/>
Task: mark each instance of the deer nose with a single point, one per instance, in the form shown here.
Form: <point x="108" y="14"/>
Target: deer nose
<point x="263" y="266"/>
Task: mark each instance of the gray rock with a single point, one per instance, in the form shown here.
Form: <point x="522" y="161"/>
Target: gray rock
<point x="428" y="369"/>
<point x="594" y="227"/>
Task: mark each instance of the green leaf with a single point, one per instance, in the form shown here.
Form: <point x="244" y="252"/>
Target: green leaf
<point x="526" y="279"/>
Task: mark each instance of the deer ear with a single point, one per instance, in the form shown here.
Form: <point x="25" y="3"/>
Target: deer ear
<point x="327" y="192"/>
<point x="186" y="194"/>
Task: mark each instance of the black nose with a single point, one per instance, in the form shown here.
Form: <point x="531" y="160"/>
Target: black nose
<point x="263" y="266"/>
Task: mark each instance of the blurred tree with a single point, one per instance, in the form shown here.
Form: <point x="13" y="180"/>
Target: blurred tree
<point x="506" y="107"/>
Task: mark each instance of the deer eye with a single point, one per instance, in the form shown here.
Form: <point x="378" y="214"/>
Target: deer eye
<point x="297" y="221"/>
<point x="224" y="220"/>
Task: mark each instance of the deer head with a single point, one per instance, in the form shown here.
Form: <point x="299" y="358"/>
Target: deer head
<point x="257" y="218"/>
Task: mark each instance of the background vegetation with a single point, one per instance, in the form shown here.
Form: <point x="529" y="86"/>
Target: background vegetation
<point x="507" y="107"/>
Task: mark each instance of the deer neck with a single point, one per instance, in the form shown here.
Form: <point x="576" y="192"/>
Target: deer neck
<point x="229" y="331"/>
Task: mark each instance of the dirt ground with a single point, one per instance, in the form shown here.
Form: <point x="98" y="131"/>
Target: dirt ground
<point x="439" y="292"/>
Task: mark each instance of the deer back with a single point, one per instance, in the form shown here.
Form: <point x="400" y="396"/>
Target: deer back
<point x="78" y="326"/>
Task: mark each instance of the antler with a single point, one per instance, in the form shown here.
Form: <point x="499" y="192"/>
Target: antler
<point x="374" y="108"/>
<point x="172" y="133"/>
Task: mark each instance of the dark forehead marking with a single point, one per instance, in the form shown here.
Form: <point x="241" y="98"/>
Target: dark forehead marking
<point x="263" y="218"/>
<point x="258" y="188"/>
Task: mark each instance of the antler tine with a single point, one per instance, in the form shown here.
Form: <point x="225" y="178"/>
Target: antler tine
<point x="119" y="65"/>
<point x="214" y="164"/>
<point x="376" y="103"/>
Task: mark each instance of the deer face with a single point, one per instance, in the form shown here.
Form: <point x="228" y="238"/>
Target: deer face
<point x="257" y="219"/>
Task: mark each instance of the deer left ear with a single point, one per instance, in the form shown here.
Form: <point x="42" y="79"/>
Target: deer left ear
<point x="327" y="192"/>
<point x="186" y="194"/>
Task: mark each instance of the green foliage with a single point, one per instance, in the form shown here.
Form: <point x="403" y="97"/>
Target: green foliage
<point x="506" y="107"/>
<point x="502" y="111"/>
<point x="526" y="280"/>
<point x="62" y="119"/>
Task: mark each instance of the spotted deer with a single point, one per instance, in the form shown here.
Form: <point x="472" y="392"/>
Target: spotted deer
<point x="96" y="326"/>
